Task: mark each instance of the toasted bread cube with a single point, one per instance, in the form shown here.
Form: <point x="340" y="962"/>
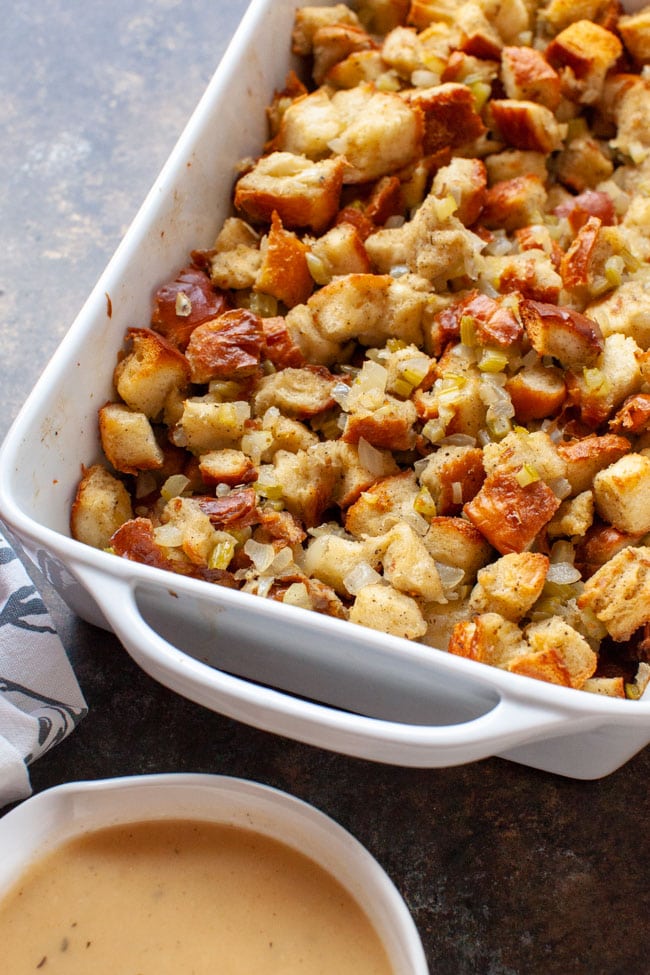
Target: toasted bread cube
<point x="456" y="542"/>
<point x="514" y="203"/>
<point x="298" y="393"/>
<point x="559" y="14"/>
<point x="383" y="608"/>
<point x="619" y="592"/>
<point x="583" y="53"/>
<point x="465" y="180"/>
<point x="353" y="477"/>
<point x="340" y="251"/>
<point x="531" y="273"/>
<point x="528" y="76"/>
<point x="279" y="348"/>
<point x="586" y="456"/>
<point x="511" y="585"/>
<point x="308" y="20"/>
<point x="307" y="480"/>
<point x="585" y="265"/>
<point x="583" y="164"/>
<point x="635" y="31"/>
<point x="510" y="163"/>
<point x="206" y="425"/>
<point x="285" y="433"/>
<point x="533" y="450"/>
<point x="381" y="133"/>
<point x="228" y="347"/>
<point x="453" y="475"/>
<point x="389" y="501"/>
<point x="101" y="504"/>
<point x="128" y="439"/>
<point x="360" y="67"/>
<point x="558" y="654"/>
<point x="615" y="376"/>
<point x="235" y="260"/>
<point x="609" y="686"/>
<point x="525" y="125"/>
<point x="390" y="427"/>
<point x="536" y="392"/>
<point x="408" y="565"/>
<point x="563" y="333"/>
<point x="227" y="466"/>
<point x="450" y="115"/>
<point x="147" y="374"/>
<point x="626" y="310"/>
<point x="600" y="544"/>
<point x="335" y="42"/>
<point x="630" y="101"/>
<point x="284" y="272"/>
<point x="574" y="517"/>
<point x="308" y="126"/>
<point x="488" y="638"/>
<point x="511" y="516"/>
<point x="633" y="417"/>
<point x="332" y="558"/>
<point x="382" y="16"/>
<point x="304" y="193"/>
<point x="622" y="493"/>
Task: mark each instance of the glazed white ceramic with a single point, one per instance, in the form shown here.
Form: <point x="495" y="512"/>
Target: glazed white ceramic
<point x="48" y="819"/>
<point x="280" y="668"/>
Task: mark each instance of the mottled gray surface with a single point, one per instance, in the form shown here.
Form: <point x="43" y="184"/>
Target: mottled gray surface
<point x="507" y="871"/>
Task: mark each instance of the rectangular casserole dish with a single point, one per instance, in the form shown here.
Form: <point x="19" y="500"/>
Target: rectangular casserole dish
<point x="280" y="668"/>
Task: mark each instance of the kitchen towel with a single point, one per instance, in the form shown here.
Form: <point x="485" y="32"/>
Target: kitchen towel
<point x="40" y="699"/>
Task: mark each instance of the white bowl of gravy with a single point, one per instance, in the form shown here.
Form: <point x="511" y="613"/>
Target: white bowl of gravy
<point x="180" y="873"/>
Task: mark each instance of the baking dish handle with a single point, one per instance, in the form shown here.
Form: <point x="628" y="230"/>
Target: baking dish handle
<point x="504" y="722"/>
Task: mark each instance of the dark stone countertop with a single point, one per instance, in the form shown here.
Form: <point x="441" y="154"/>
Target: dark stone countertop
<point x="507" y="870"/>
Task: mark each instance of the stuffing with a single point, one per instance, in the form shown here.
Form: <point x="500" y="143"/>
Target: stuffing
<point x="526" y="125"/>
<point x="408" y="386"/>
<point x="128" y="439"/>
<point x="386" y="609"/>
<point x="510" y="586"/>
<point x="453" y="475"/>
<point x="297" y="393"/>
<point x="101" y="504"/>
<point x="235" y="259"/>
<point x="622" y="493"/>
<point x="585" y="456"/>
<point x="145" y="377"/>
<point x="573" y="518"/>
<point x="583" y="53"/>
<point x="618" y="593"/>
<point x="635" y="34"/>
<point x="527" y="76"/>
<point x="302" y="192"/>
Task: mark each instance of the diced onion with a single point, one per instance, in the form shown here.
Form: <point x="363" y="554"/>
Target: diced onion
<point x="297" y="595"/>
<point x="562" y="574"/>
<point x="361" y="575"/>
<point x="174" y="486"/>
<point x="450" y="575"/>
<point x="169" y="536"/>
<point x="260" y="554"/>
<point x="371" y="458"/>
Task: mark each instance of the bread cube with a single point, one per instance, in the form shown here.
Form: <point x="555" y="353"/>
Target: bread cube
<point x="585" y="456"/>
<point x="308" y="20"/>
<point x="451" y="118"/>
<point x="235" y="259"/>
<point x="622" y="493"/>
<point x="383" y="608"/>
<point x="304" y="193"/>
<point x="226" y="466"/>
<point x="101" y="504"/>
<point x="524" y="124"/>
<point x="284" y="272"/>
<point x="456" y="542"/>
<point x="583" y="53"/>
<point x="128" y="439"/>
<point x="208" y="425"/>
<point x="511" y="585"/>
<point x="386" y="503"/>
<point x="634" y="29"/>
<point x="228" y="347"/>
<point x="508" y="515"/>
<point x="453" y="475"/>
<point x="563" y="333"/>
<point x="527" y="76"/>
<point x="297" y="393"/>
<point x="408" y="565"/>
<point x="619" y="592"/>
<point x="514" y="203"/>
<point x="147" y="374"/>
<point x="558" y="654"/>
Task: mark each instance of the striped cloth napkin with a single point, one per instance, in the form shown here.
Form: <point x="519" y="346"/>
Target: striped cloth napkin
<point x="40" y="699"/>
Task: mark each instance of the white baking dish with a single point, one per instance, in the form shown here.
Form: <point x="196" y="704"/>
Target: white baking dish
<point x="286" y="670"/>
<point x="55" y="816"/>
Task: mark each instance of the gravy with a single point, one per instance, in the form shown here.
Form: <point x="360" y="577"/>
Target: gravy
<point x="183" y="898"/>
